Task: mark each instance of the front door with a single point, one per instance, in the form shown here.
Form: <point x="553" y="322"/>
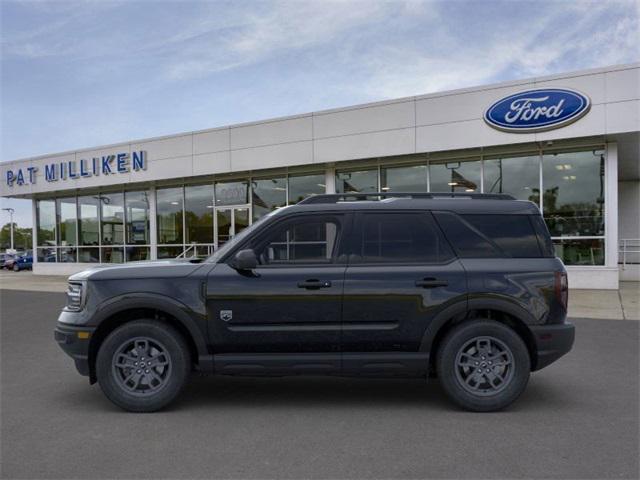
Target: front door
<point x="229" y="222"/>
<point x="401" y="274"/>
<point x="292" y="302"/>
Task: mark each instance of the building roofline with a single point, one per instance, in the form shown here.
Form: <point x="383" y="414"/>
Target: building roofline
<point x="444" y="93"/>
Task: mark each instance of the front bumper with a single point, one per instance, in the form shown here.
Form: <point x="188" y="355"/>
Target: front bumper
<point x="75" y="343"/>
<point x="552" y="342"/>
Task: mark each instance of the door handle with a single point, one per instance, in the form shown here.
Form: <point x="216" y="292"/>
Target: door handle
<point x="431" y="283"/>
<point x="314" y="284"/>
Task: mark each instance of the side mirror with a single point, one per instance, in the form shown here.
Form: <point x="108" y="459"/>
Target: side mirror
<point x="245" y="260"/>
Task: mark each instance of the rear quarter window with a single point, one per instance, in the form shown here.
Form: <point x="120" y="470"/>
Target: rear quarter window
<point x="490" y="235"/>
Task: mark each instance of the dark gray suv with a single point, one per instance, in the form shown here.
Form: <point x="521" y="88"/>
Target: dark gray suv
<point x="465" y="287"/>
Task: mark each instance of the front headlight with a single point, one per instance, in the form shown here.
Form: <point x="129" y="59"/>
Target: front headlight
<point x="75" y="297"/>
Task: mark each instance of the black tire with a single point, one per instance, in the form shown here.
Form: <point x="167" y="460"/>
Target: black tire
<point x="16" y="268"/>
<point x="161" y="384"/>
<point x="464" y="371"/>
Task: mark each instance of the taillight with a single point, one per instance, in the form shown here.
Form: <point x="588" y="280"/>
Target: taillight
<point x="562" y="288"/>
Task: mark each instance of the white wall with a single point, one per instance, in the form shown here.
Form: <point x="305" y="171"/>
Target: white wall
<point x="428" y="123"/>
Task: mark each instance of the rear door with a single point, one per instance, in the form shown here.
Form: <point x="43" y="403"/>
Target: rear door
<point x="401" y="273"/>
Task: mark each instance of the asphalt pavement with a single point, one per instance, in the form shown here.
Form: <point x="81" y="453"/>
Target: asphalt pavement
<point x="577" y="419"/>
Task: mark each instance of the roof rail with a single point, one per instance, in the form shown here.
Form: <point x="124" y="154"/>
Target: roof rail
<point x="354" y="197"/>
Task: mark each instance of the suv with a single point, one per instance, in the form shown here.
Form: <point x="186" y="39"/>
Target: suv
<point x="465" y="287"/>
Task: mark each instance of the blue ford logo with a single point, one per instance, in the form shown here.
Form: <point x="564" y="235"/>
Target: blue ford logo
<point x="537" y="110"/>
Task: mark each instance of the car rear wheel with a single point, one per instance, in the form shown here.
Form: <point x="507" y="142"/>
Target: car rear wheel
<point x="143" y="365"/>
<point x="483" y="365"/>
<point x="16" y="268"/>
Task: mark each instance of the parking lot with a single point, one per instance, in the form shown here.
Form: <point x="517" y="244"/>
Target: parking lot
<point x="577" y="419"/>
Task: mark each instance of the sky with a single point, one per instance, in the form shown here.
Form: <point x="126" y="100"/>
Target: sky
<point x="87" y="73"/>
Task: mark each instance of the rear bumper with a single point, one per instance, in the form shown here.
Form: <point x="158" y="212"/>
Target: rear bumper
<point x="75" y="343"/>
<point x="552" y="342"/>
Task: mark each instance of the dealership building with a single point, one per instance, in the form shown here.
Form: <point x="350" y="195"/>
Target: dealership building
<point x="569" y="142"/>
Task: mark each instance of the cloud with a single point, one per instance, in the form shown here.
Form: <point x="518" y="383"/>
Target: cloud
<point x="548" y="44"/>
<point x="286" y="26"/>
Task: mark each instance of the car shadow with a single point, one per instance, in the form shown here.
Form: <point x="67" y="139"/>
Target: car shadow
<point x="303" y="392"/>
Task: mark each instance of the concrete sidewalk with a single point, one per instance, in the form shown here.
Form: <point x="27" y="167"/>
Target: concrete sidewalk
<point x="620" y="304"/>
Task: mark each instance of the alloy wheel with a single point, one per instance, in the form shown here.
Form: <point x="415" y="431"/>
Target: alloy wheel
<point x="484" y="366"/>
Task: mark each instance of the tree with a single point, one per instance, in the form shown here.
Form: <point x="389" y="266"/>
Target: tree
<point x="21" y="237"/>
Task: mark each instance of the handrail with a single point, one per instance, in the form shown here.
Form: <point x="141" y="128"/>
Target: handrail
<point x="626" y="246"/>
<point x="186" y="250"/>
<point x="194" y="252"/>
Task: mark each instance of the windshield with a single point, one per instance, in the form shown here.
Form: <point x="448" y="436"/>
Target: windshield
<point x="224" y="249"/>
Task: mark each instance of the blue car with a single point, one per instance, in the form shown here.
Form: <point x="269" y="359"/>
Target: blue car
<point x="23" y="262"/>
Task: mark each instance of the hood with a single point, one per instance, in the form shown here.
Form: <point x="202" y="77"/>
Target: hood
<point x="170" y="268"/>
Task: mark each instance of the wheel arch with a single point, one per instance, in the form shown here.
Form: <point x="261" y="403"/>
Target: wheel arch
<point x="502" y="310"/>
<point x="123" y="310"/>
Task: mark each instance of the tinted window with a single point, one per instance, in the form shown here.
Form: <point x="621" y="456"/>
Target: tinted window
<point x="514" y="234"/>
<point x="544" y="239"/>
<point x="401" y="237"/>
<point x="305" y="240"/>
<point x="467" y="242"/>
<point x="490" y="236"/>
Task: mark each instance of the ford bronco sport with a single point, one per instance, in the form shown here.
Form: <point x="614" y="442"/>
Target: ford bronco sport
<point x="465" y="287"/>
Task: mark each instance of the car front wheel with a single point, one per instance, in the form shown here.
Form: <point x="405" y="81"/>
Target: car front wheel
<point x="143" y="365"/>
<point x="16" y="268"/>
<point x="483" y="365"/>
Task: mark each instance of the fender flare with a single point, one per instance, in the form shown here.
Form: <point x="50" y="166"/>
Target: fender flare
<point x="460" y="309"/>
<point x="153" y="301"/>
<point x="457" y="309"/>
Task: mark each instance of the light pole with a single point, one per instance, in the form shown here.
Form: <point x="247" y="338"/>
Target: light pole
<point x="11" y="212"/>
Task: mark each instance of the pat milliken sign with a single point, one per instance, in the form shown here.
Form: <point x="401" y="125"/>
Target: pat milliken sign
<point x="105" y="165"/>
<point x="537" y="110"/>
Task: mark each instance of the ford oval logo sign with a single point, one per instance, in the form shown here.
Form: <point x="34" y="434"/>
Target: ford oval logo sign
<point x="537" y="110"/>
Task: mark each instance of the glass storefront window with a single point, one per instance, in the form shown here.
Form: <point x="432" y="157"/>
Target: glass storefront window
<point x="47" y="254"/>
<point x="232" y="193"/>
<point x="455" y="176"/>
<point x="268" y="194"/>
<point x="573" y="200"/>
<point x="134" y="254"/>
<point x="89" y="255"/>
<point x="67" y="221"/>
<point x="362" y="181"/>
<point x="46" y="218"/>
<point x="169" y="252"/>
<point x="67" y="254"/>
<point x="112" y="255"/>
<point x="303" y="186"/>
<point x="112" y="218"/>
<point x="516" y="176"/>
<point x="404" y="179"/>
<point x="169" y="207"/>
<point x="137" y="217"/>
<point x="198" y="213"/>
<point x="580" y="251"/>
<point x="88" y="220"/>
